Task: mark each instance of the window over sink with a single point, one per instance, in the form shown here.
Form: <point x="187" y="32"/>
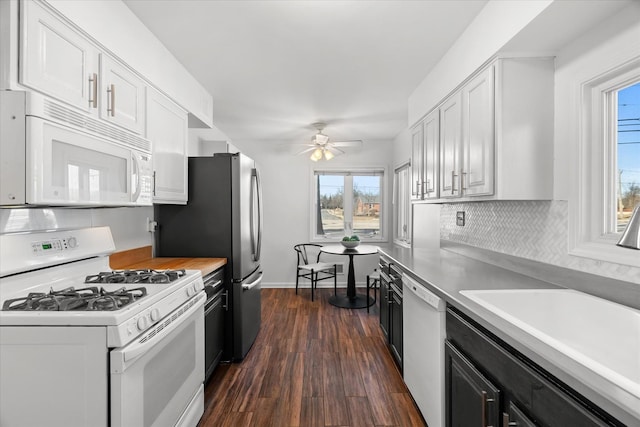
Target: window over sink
<point x="627" y="153"/>
<point x="348" y="202"/>
<point x="608" y="185"/>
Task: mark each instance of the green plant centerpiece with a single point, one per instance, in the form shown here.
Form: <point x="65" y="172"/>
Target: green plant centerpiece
<point x="350" y="242"/>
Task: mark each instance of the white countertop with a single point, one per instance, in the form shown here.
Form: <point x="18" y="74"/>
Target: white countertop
<point x="446" y="273"/>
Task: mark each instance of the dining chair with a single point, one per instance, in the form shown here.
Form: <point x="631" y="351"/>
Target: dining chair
<point x="310" y="267"/>
<point x="373" y="282"/>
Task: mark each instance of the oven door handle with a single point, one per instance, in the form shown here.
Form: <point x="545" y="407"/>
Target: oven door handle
<point x="126" y="356"/>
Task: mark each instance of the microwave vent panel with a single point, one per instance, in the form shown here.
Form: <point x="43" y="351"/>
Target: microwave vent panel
<point x="68" y="116"/>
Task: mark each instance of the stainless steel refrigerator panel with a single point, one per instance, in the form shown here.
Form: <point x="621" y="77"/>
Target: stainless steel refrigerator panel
<point x="241" y="197"/>
<point x="247" y="313"/>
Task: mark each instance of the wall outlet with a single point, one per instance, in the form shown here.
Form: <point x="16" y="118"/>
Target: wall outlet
<point x="460" y="218"/>
<point x="151" y="225"/>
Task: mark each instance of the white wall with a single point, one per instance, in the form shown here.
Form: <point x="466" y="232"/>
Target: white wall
<point x="286" y="182"/>
<point x="614" y="42"/>
<point x="495" y="25"/>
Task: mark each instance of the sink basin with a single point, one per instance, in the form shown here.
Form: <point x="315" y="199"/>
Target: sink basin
<point x="601" y="335"/>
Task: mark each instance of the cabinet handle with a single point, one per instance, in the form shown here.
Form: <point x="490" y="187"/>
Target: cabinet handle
<point x="453" y="182"/>
<point x="506" y="422"/>
<point x="462" y="176"/>
<point x="154" y="183"/>
<point x="93" y="90"/>
<point x="111" y="90"/>
<point x="225" y="305"/>
<point x="485" y="400"/>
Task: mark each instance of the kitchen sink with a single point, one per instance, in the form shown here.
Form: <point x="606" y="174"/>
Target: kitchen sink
<point x="601" y="335"/>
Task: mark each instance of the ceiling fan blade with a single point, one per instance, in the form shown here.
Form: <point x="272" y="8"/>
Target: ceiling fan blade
<point x="335" y="150"/>
<point x="354" y="143"/>
<point x="307" y="150"/>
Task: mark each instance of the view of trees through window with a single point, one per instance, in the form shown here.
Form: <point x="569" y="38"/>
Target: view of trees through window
<point x="348" y="204"/>
<point x="628" y="153"/>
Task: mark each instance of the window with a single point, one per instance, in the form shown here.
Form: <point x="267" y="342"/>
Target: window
<point x="348" y="203"/>
<point x="608" y="173"/>
<point x="627" y="153"/>
<point x="402" y="205"/>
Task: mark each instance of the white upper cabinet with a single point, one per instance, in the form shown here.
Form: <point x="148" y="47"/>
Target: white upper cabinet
<point x="450" y="146"/>
<point x="477" y="168"/>
<point x="122" y="95"/>
<point x="431" y="158"/>
<point x="59" y="61"/>
<point x="55" y="59"/>
<point x="167" y="128"/>
<point x="425" y="158"/>
<point x="417" y="166"/>
<point x="495" y="136"/>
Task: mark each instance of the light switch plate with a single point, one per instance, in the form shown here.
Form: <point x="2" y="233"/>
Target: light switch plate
<point x="460" y="218"/>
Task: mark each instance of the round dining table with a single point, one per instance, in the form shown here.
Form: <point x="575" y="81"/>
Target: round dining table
<point x="351" y="299"/>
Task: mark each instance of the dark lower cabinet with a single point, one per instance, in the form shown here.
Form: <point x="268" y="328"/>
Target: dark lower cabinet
<point x="391" y="308"/>
<point x="384" y="305"/>
<point x="214" y="320"/>
<point x="395" y="333"/>
<point x="473" y="399"/>
<point x="489" y="383"/>
<point x="514" y="417"/>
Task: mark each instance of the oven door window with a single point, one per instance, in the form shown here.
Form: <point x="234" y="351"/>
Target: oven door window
<point x="152" y="383"/>
<point x="68" y="167"/>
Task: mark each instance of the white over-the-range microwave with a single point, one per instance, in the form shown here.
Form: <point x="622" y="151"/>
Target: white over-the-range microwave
<point x="53" y="155"/>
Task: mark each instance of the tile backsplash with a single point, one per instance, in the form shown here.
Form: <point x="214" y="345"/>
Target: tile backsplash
<point x="535" y="230"/>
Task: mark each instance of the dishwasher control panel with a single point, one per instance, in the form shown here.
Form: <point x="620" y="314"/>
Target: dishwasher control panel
<point x="423" y="293"/>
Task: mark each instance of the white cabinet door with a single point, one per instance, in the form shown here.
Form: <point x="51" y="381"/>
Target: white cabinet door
<point x="478" y="143"/>
<point x="55" y="59"/>
<point x="122" y="96"/>
<point x="417" y="158"/>
<point x="450" y="146"/>
<point x="167" y="127"/>
<point x="431" y="158"/>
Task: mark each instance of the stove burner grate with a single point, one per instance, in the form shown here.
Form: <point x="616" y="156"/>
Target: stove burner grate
<point x="71" y="299"/>
<point x="136" y="276"/>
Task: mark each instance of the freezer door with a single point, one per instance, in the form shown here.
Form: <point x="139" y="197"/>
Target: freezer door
<point x="243" y="223"/>
<point x="246" y="314"/>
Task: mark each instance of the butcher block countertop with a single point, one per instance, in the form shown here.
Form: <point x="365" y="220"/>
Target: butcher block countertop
<point x="139" y="258"/>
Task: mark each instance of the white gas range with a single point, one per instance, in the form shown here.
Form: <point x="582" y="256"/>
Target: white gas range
<point x="82" y="345"/>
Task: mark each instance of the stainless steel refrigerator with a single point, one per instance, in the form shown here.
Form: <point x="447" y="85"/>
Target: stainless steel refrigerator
<point x="223" y="218"/>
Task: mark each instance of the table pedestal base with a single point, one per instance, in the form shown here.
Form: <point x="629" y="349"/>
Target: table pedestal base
<point x="343" y="301"/>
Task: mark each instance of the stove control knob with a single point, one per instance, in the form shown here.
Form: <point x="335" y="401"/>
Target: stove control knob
<point x="190" y="291"/>
<point x="142" y="323"/>
<point x="72" y="242"/>
<point x="155" y="314"/>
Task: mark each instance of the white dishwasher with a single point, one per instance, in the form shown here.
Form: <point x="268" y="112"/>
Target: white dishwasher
<point x="423" y="331"/>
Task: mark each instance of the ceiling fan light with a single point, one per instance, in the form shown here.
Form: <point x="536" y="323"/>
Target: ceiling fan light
<point x="328" y="155"/>
<point x="316" y="155"/>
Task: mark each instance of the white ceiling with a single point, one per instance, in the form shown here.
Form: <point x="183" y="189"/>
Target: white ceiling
<point x="275" y="67"/>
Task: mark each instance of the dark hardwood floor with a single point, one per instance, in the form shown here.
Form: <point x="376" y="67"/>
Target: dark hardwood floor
<point x="312" y="365"/>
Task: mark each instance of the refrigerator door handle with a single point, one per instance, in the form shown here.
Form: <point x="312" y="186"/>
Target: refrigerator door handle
<point x="256" y="223"/>
<point x="249" y="286"/>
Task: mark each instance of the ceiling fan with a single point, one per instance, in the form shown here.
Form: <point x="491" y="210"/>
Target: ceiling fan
<point x="321" y="146"/>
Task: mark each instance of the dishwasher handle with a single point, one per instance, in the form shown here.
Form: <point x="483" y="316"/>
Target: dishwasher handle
<point x="423" y="293"/>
